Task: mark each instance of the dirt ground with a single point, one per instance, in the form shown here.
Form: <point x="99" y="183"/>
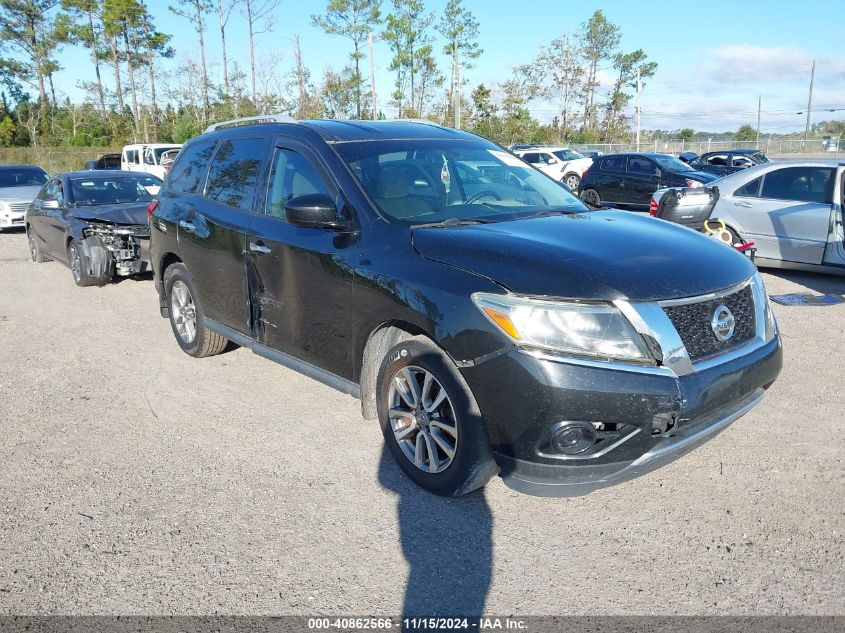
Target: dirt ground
<point x="137" y="480"/>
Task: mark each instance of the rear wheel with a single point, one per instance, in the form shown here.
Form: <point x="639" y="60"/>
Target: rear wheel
<point x="186" y="315"/>
<point x="430" y="420"/>
<point x="573" y="181"/>
<point x="591" y="197"/>
<point x="34" y="251"/>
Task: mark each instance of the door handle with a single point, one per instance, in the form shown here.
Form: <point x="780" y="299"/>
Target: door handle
<point x="259" y="247"/>
<point x="746" y="205"/>
<point x="184" y="224"/>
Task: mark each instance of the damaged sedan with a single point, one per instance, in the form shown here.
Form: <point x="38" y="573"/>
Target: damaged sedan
<point x="95" y="222"/>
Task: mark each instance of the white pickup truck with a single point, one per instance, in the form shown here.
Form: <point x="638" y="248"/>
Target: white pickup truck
<point x="146" y="157"/>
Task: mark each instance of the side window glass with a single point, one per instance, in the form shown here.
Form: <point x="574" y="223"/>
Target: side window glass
<point x="719" y="159"/>
<point x="149" y="158"/>
<point x="749" y="190"/>
<point x="54" y="191"/>
<point x="187" y="173"/>
<point x="640" y="166"/>
<point x="292" y="175"/>
<point x="531" y="157"/>
<point x="613" y="163"/>
<point x="803" y="184"/>
<point x="233" y="175"/>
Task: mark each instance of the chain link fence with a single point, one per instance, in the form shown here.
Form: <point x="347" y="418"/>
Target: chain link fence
<point x="54" y="159"/>
<point x="834" y="148"/>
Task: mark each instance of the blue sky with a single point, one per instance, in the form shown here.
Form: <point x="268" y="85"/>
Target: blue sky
<point x="714" y="57"/>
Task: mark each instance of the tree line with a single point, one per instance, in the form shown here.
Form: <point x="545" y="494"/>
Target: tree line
<point x="129" y="94"/>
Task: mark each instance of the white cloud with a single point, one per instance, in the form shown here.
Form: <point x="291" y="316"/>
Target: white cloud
<point x="740" y="63"/>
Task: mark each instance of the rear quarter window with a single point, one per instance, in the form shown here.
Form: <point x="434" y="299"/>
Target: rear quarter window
<point x="187" y="174"/>
<point x="750" y="189"/>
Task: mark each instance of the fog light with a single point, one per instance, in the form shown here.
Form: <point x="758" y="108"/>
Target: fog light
<point x="571" y="438"/>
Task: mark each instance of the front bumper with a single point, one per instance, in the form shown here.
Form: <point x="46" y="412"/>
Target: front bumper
<point x="12" y="219"/>
<point x="543" y="392"/>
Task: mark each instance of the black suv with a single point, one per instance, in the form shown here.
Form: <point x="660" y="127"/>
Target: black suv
<point x="628" y="180"/>
<point x="485" y="316"/>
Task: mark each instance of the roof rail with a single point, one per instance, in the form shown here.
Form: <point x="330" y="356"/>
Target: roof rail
<point x="424" y="121"/>
<point x="249" y="120"/>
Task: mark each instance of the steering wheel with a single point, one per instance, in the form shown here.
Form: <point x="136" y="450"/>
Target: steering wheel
<point x="484" y="194"/>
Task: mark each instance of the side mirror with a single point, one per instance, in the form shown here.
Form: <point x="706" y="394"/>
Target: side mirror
<point x="314" y="210"/>
<point x="658" y="173"/>
<point x="552" y="161"/>
<point x="50" y="204"/>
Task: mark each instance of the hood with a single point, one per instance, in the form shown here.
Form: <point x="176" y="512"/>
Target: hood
<point x="19" y="194"/>
<point x="132" y="213"/>
<point x="703" y="176"/>
<point x="601" y="255"/>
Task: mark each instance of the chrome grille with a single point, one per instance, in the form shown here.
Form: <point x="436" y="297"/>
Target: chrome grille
<point x="18" y="207"/>
<point x="692" y="320"/>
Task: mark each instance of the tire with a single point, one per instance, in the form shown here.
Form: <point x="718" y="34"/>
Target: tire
<point x="423" y="430"/>
<point x="78" y="263"/>
<point x="186" y="315"/>
<point x="34" y="251"/>
<point x="592" y="198"/>
<point x="573" y="181"/>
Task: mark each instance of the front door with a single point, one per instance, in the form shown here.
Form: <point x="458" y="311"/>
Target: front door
<point x="642" y="179"/>
<point x="300" y="279"/>
<point x="610" y="177"/>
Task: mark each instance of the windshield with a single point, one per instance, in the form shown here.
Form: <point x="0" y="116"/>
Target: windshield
<point x="760" y="157"/>
<point x="22" y="177"/>
<point x="425" y="181"/>
<point x="670" y="163"/>
<point x="114" y="189"/>
<point x="161" y="150"/>
<point x="567" y="154"/>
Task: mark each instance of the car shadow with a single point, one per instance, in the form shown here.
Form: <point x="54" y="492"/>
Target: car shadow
<point x="448" y="545"/>
<point x="818" y="282"/>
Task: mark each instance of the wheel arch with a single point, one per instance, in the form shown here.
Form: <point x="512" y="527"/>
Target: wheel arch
<point x="164" y="262"/>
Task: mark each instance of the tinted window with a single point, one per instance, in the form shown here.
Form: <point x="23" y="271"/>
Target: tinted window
<point x="53" y="191"/>
<point x="293" y="175"/>
<point x="114" y="190"/>
<point x="233" y="175"/>
<point x="750" y="189"/>
<point x="718" y="159"/>
<point x="567" y="154"/>
<point x="132" y="156"/>
<point x="531" y="157"/>
<point x="613" y="163"/>
<point x="22" y="177"/>
<point x="188" y="172"/>
<point x="638" y="165"/>
<point x="806" y="184"/>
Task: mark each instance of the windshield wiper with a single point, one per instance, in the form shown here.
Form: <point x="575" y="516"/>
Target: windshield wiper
<point x="453" y="222"/>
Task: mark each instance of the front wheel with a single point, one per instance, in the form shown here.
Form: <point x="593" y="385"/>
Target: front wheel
<point x="430" y="420"/>
<point x="34" y="251"/>
<point x="592" y="198"/>
<point x="80" y="267"/>
<point x="186" y="315"/>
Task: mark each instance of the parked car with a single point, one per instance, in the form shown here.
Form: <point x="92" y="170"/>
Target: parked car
<point x="168" y="157"/>
<point x="687" y="157"/>
<point x="106" y="161"/>
<point x="560" y="163"/>
<point x="146" y="157"/>
<point x="95" y="222"/>
<point x="492" y="326"/>
<point x="791" y="210"/>
<point x="590" y="153"/>
<point x="728" y="162"/>
<point x="19" y="184"/>
<point x="629" y="180"/>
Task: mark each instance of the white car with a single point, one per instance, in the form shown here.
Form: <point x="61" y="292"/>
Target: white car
<point x="561" y="163"/>
<point x="792" y="211"/>
<point x="19" y="184"/>
<point x="146" y="157"/>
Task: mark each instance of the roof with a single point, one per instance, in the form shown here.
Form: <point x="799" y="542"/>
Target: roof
<point x="21" y="166"/>
<point x="334" y="131"/>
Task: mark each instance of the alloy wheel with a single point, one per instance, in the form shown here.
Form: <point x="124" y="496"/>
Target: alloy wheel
<point x="75" y="263"/>
<point x="33" y="247"/>
<point x="572" y="181"/>
<point x="422" y="419"/>
<point x="184" y="311"/>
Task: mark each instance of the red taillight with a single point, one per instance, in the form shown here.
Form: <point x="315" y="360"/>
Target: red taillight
<point x="652" y="207"/>
<point x="151" y="208"/>
<point x="584" y="175"/>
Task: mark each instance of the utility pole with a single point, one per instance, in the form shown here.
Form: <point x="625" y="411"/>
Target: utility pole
<point x="456" y="88"/>
<point x="759" y="107"/>
<point x="637" y="107"/>
<point x="810" y="101"/>
<point x="372" y="74"/>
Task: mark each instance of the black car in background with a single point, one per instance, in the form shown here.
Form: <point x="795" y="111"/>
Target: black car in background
<point x="95" y="222"/>
<point x="628" y="180"/>
<point x="106" y="161"/>
<point x="486" y="317"/>
<point x="728" y="162"/>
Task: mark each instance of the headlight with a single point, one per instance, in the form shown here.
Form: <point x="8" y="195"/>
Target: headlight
<point x="761" y="297"/>
<point x="596" y="330"/>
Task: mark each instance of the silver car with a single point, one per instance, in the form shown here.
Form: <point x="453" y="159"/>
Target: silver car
<point x="792" y="210"/>
<point x="19" y="184"/>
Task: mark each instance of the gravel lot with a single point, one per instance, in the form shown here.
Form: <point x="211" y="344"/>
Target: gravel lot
<point x="136" y="480"/>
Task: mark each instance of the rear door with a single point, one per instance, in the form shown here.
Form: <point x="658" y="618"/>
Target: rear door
<point x="212" y="228"/>
<point x="300" y="279"/>
<point x="609" y="178"/>
<point x="641" y="180"/>
<point x="790" y="218"/>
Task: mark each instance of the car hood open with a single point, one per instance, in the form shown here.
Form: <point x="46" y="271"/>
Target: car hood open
<point x="127" y="213"/>
<point x="601" y="255"/>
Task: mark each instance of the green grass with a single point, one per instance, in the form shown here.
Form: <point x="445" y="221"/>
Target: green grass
<point x="54" y="159"/>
